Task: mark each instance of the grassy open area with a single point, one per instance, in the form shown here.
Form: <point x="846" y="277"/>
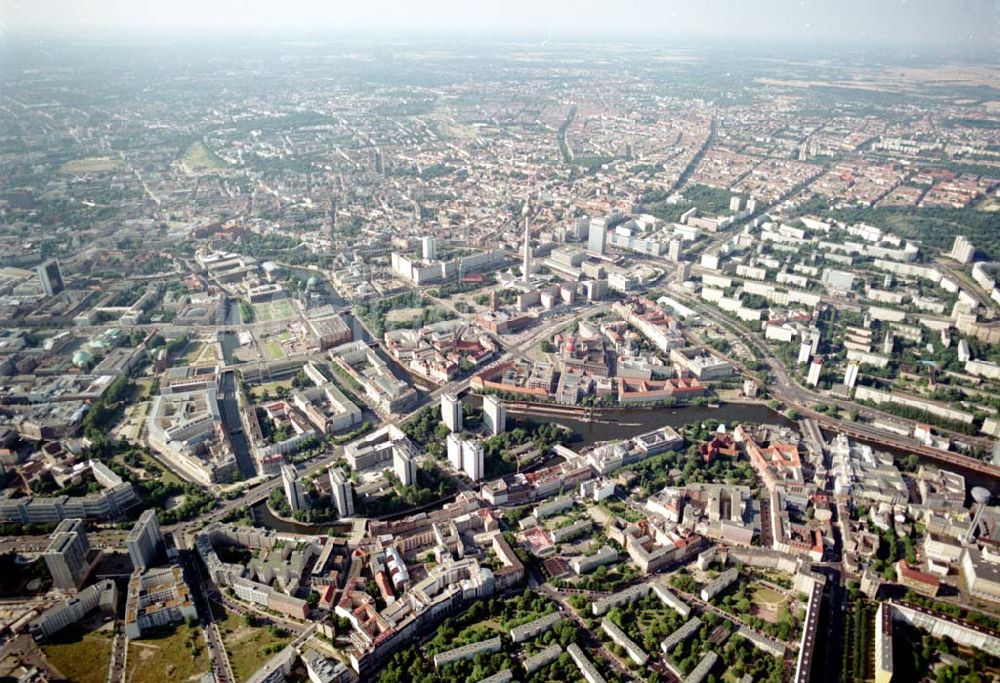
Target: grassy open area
<point x="770" y="603"/>
<point x="249" y="647"/>
<point x="197" y="352"/>
<point x="270" y="387"/>
<point x="198" y="159"/>
<point x="398" y="315"/>
<point x="177" y="654"/>
<point x="273" y="310"/>
<point x="91" y="165"/>
<point x="272" y="349"/>
<point x="146" y="461"/>
<point x="81" y="657"/>
<point x="143" y="386"/>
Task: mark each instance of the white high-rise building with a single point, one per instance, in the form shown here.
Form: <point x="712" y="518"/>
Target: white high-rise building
<point x="429" y="248"/>
<point x="451" y="412"/>
<point x="526" y="267"/>
<point x="963" y="351"/>
<point x="50" y="276"/>
<point x="814" y="342"/>
<point x="734" y="204"/>
<point x="293" y="488"/>
<point x="814" y="372"/>
<point x="66" y="555"/>
<point x="805" y="350"/>
<point x="342" y="492"/>
<point x="683" y="271"/>
<point x="403" y="464"/>
<point x="597" y="238"/>
<point x="472" y="459"/>
<point x="962" y="249"/>
<point x="674" y="250"/>
<point x="494" y="414"/>
<point x="851" y="375"/>
<point x="145" y="541"/>
<point x="454" y="447"/>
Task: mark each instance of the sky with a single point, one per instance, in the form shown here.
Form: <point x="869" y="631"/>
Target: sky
<point x="916" y="22"/>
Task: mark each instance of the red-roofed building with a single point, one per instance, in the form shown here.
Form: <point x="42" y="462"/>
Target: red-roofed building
<point x="651" y="390"/>
<point x="916" y="580"/>
<point x="721" y="444"/>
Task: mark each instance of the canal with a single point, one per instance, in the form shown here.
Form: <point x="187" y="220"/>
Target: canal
<point x="231" y="418"/>
<point x="625" y="424"/>
<point x="263" y="517"/>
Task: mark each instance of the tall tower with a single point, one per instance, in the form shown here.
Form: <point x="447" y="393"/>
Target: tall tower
<point x="451" y="412"/>
<point x="50" y="276"/>
<point x="526" y="270"/>
<point x="145" y="541"/>
<point x="293" y="488"/>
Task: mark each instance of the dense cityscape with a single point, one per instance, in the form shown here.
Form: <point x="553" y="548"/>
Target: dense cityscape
<point x="493" y="361"/>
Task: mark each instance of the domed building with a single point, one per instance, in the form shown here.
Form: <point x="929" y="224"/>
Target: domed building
<point x="312" y="283"/>
<point x="82" y="359"/>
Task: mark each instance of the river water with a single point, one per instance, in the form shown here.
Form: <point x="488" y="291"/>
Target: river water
<point x="623" y="424"/>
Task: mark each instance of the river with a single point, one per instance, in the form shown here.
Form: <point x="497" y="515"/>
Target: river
<point x="624" y="424"/>
<point x="263" y="517"/>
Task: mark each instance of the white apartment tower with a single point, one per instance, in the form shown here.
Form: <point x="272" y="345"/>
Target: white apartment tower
<point x="597" y="238"/>
<point x="66" y="555"/>
<point x="429" y="248"/>
<point x="454" y="444"/>
<point x="683" y="271"/>
<point x="814" y="372"/>
<point x="494" y="414"/>
<point x="472" y="459"/>
<point x="674" y="250"/>
<point x="805" y="350"/>
<point x="403" y="464"/>
<point x="451" y="412"/>
<point x="342" y="492"/>
<point x="851" y="375"/>
<point x="50" y="277"/>
<point x="962" y="249"/>
<point x="145" y="541"/>
<point x="293" y="488"/>
<point x="526" y="268"/>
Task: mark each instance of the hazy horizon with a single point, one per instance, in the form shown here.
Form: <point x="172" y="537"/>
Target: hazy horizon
<point x="967" y="25"/>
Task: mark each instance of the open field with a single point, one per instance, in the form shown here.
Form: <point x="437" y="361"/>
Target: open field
<point x="273" y="310"/>
<point x="768" y="603"/>
<point x="179" y="655"/>
<point x="272" y="349"/>
<point x="398" y="315"/>
<point x="143" y="386"/>
<point x="249" y="647"/>
<point x="270" y="387"/>
<point x="199" y="159"/>
<point x="83" y="658"/>
<point x="197" y="352"/>
<point x="91" y="165"/>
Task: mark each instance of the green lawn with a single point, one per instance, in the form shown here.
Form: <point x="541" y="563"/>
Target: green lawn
<point x="249" y="647"/>
<point x="270" y="387"/>
<point x="770" y="604"/>
<point x="143" y="385"/>
<point x="91" y="165"/>
<point x="273" y="310"/>
<point x="168" y="656"/>
<point x="195" y="352"/>
<point x="272" y="349"/>
<point x="198" y="158"/>
<point x="83" y="658"/>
